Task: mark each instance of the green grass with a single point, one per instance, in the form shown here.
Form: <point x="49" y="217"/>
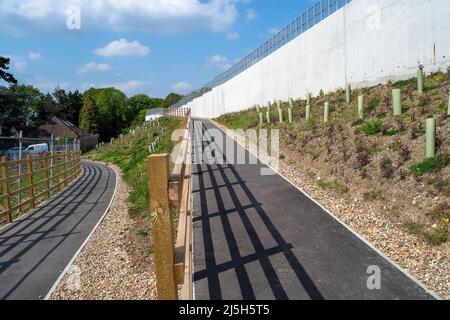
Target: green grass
<point x="437" y="236"/>
<point x="372" y="127"/>
<point x="373" y="104"/>
<point x="132" y="160"/>
<point x="404" y="83"/>
<point x="372" y="195"/>
<point x="434" y="236"/>
<point x="333" y="185"/>
<point x="245" y="120"/>
<point x="431" y="165"/>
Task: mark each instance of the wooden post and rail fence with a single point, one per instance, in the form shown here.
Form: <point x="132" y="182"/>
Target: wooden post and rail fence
<point x="171" y="194"/>
<point x="177" y="112"/>
<point x="26" y="183"/>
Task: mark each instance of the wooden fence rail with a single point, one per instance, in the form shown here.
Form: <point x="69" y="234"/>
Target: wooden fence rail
<point x="177" y="112"/>
<point x="28" y="182"/>
<point x="171" y="195"/>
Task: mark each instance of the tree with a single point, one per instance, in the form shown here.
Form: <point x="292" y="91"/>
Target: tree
<point x="8" y="77"/>
<point x="171" y="99"/>
<point x="46" y="109"/>
<point x="89" y="116"/>
<point x="68" y="105"/>
<point x="20" y="105"/>
<point x="112" y="110"/>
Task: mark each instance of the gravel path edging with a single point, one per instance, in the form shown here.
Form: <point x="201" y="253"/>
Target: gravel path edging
<point x="62" y="275"/>
<point x="403" y="270"/>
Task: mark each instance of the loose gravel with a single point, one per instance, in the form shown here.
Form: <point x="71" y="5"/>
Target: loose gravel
<point x="115" y="264"/>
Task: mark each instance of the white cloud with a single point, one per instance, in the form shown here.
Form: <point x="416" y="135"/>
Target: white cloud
<point x="124" y="15"/>
<point x="92" y="66"/>
<point x="19" y="65"/>
<point x="34" y="55"/>
<point x="250" y="15"/>
<point x="182" y="86"/>
<point x="218" y="61"/>
<point x="123" y="48"/>
<point x="232" y="36"/>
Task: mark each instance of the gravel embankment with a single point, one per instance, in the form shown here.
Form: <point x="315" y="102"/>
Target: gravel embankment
<point x="114" y="265"/>
<point x="429" y="264"/>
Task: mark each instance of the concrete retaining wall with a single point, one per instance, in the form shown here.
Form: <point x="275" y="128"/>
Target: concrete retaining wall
<point x="365" y="43"/>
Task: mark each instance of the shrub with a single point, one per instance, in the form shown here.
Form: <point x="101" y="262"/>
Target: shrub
<point x="415" y="132"/>
<point x="373" y="127"/>
<point x="387" y="168"/>
<point x="358" y="122"/>
<point x="405" y="153"/>
<point x="396" y="146"/>
<point x="437" y="236"/>
<point x="431" y="165"/>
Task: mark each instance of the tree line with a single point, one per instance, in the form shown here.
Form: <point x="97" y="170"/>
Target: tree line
<point x="106" y="112"/>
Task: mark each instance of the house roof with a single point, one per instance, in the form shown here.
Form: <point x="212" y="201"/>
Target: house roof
<point x="58" y="127"/>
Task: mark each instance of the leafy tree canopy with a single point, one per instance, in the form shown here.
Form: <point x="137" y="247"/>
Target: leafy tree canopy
<point x="4" y="65"/>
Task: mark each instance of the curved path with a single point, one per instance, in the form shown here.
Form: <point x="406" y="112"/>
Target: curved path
<point x="259" y="237"/>
<point x="35" y="250"/>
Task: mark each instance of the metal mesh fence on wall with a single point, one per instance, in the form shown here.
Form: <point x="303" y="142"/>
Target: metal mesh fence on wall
<point x="309" y="18"/>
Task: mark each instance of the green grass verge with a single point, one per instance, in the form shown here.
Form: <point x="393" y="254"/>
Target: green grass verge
<point x="130" y="155"/>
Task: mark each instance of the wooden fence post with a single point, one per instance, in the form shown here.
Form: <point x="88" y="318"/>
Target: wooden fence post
<point x="163" y="241"/>
<point x="5" y="188"/>
<point x="56" y="173"/>
<point x="30" y="181"/>
<point x="47" y="175"/>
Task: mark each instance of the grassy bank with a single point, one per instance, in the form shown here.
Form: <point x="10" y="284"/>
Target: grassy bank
<point x="379" y="161"/>
<point x="130" y="154"/>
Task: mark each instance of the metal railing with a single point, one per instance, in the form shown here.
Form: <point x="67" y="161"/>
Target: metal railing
<point x="308" y="19"/>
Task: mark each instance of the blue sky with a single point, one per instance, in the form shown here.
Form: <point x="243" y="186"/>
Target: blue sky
<point x="139" y="46"/>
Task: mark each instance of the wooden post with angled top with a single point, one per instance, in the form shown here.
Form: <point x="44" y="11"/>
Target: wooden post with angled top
<point x="163" y="241"/>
